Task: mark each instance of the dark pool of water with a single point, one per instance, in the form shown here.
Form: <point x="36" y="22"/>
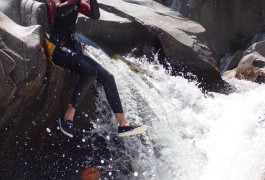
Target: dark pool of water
<point x="45" y="153"/>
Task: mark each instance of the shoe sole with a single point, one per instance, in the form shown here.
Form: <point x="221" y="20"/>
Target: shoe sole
<point x="135" y="131"/>
<point x="66" y="133"/>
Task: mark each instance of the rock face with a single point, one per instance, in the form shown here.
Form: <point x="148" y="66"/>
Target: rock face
<point x="27" y="80"/>
<point x="252" y="64"/>
<point x="23" y="65"/>
<point x="24" y="12"/>
<point x="224" y="20"/>
<point x="183" y="43"/>
<point x="33" y="12"/>
<point x="11" y="8"/>
<point x="180" y="39"/>
<point x="251" y="68"/>
<point x="230" y="61"/>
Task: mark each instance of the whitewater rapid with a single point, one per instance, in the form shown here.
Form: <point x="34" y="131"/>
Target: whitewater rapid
<point x="191" y="136"/>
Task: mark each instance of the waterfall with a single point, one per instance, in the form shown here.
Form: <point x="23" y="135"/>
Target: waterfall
<point x="191" y="136"/>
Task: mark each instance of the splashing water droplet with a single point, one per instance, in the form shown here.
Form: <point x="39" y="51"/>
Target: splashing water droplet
<point x="108" y="138"/>
<point x="48" y="130"/>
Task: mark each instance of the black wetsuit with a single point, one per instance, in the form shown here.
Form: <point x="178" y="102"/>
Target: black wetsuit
<point x="68" y="54"/>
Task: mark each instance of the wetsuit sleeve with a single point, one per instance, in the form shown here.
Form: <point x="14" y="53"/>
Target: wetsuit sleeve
<point x="89" y="9"/>
<point x="61" y="10"/>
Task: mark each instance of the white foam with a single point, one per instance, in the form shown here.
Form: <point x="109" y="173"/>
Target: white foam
<point x="190" y="137"/>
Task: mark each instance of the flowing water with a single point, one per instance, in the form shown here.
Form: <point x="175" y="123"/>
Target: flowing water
<point x="191" y="136"/>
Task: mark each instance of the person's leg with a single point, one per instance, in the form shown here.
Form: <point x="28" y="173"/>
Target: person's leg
<point x="122" y="121"/>
<point x="65" y="58"/>
<point x="70" y="112"/>
<point x="89" y="70"/>
<point x="107" y="80"/>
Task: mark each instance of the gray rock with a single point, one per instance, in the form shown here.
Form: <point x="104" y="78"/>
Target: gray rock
<point x="30" y="87"/>
<point x="33" y="13"/>
<point x="181" y="43"/>
<point x="7" y="85"/>
<point x="252" y="65"/>
<point x="256" y="47"/>
<point x="235" y="59"/>
<point x="224" y="19"/>
<point x="230" y="62"/>
<point x="12" y="9"/>
<point x="109" y="29"/>
<point x="23" y="63"/>
<point x="25" y="12"/>
<point x="257" y="38"/>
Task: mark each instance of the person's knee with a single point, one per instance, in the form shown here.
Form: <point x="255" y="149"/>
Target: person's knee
<point x="93" y="72"/>
<point x="89" y="72"/>
<point x="110" y="78"/>
<point x="109" y="81"/>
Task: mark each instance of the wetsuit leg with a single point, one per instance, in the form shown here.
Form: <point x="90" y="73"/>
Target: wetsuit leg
<point x="89" y="71"/>
<point x="107" y="80"/>
<point x="65" y="58"/>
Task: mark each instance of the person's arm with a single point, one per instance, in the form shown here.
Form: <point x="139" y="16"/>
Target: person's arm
<point x="89" y="9"/>
<point x="61" y="10"/>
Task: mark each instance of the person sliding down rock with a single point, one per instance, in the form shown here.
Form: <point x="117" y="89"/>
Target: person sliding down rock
<point x="65" y="51"/>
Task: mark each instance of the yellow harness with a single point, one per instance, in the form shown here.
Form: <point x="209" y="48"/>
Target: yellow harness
<point x="50" y="48"/>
